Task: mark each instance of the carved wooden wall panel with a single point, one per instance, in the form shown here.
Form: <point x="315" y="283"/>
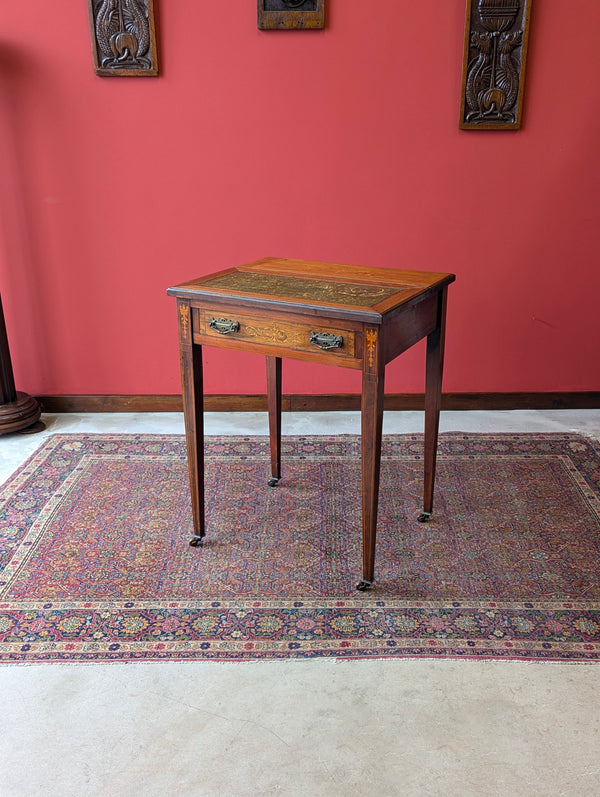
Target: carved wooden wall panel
<point x="495" y="51"/>
<point x="291" y="14"/>
<point x="123" y="37"/>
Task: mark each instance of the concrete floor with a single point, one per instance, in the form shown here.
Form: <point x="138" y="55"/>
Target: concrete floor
<point x="300" y="727"/>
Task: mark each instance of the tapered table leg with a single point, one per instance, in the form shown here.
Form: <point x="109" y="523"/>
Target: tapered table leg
<point x="433" y="400"/>
<point x="193" y="409"/>
<point x="371" y="426"/>
<point x="274" y="405"/>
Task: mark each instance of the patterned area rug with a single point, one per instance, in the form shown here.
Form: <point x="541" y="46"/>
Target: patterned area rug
<point x="95" y="563"/>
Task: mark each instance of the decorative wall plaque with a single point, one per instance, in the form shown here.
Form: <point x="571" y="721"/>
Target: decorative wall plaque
<point x="496" y="33"/>
<point x="123" y="37"/>
<point x="291" y="14"/>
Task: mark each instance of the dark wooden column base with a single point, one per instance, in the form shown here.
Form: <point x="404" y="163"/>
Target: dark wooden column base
<point x="21" y="414"/>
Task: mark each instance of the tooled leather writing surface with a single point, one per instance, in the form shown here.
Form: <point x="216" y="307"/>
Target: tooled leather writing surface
<point x="343" y="293"/>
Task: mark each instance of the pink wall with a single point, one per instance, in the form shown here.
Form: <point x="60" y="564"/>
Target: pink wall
<point x="340" y="145"/>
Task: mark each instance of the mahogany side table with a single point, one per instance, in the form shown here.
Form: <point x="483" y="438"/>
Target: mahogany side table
<point x="352" y="316"/>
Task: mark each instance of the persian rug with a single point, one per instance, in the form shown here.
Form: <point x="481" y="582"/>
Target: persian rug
<point x="95" y="564"/>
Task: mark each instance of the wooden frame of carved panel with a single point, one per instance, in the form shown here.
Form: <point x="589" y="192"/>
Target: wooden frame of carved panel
<point x="123" y="37"/>
<point x="495" y="52"/>
<point x="291" y="14"/>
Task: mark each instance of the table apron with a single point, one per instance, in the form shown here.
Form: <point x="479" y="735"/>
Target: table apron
<point x="404" y="328"/>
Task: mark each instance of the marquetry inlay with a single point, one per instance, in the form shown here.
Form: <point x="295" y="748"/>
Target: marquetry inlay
<point x="371" y="341"/>
<point x="274" y="333"/>
<point x="343" y="293"/>
<point x="184" y="313"/>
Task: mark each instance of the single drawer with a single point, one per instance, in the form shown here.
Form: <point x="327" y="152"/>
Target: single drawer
<point x="310" y="337"/>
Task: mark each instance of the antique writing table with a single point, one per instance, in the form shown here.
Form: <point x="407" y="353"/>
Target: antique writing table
<point x="351" y="316"/>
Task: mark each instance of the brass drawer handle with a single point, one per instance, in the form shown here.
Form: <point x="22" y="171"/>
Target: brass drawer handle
<point x="224" y="326"/>
<point x="325" y="340"/>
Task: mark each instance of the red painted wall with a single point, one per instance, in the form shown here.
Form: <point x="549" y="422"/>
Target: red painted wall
<point x="340" y="145"/>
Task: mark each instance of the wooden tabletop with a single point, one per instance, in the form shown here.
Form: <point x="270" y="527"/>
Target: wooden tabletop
<point x="322" y="288"/>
